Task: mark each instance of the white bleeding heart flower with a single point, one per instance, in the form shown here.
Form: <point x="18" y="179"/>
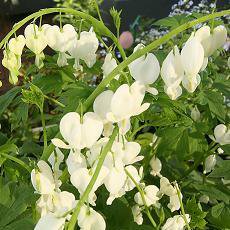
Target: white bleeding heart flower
<point x="61" y="40"/>
<point x="221" y="134"/>
<point x="81" y="178"/>
<point x="176" y="223"/>
<point x="17" y="44"/>
<point x="45" y="204"/>
<point x="156" y="166"/>
<point x="145" y="69"/>
<point x="191" y="83"/>
<point x="89" y="219"/>
<point x="172" y="73"/>
<point x="109" y="65"/>
<point x="125" y="103"/>
<point x="75" y="160"/>
<point x="166" y="187"/>
<point x="209" y="163"/>
<point x="174" y="203"/>
<point x="150" y="194"/>
<point x="85" y="49"/>
<point x="13" y="64"/>
<point x="137" y="214"/>
<point x="50" y="222"/>
<point x="36" y="41"/>
<point x="42" y="178"/>
<point x="79" y="134"/>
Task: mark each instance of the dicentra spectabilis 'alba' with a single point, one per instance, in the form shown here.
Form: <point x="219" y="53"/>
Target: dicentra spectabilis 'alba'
<point x="36" y="41"/>
<point x="209" y="163"/>
<point x="89" y="219"/>
<point x="156" y="166"/>
<point x="17" y="44"/>
<point x="145" y="69"/>
<point x="172" y="73"/>
<point x="150" y="194"/>
<point x="137" y="214"/>
<point x="50" y="222"/>
<point x="42" y="178"/>
<point x="192" y="57"/>
<point x="79" y="134"/>
<point x="125" y="103"/>
<point x="174" y="202"/>
<point x="13" y="63"/>
<point x="109" y="65"/>
<point x="81" y="178"/>
<point x="221" y="134"/>
<point x="195" y="114"/>
<point x="166" y="187"/>
<point x="176" y="223"/>
<point x="61" y="40"/>
<point x="85" y="49"/>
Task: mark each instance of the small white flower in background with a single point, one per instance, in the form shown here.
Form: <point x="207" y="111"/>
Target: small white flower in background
<point x="166" y="187"/>
<point x="172" y="74"/>
<point x="150" y="194"/>
<point x="36" y="41"/>
<point x="42" y="178"/>
<point x="204" y="199"/>
<point x="125" y="103"/>
<point x="13" y="64"/>
<point x="61" y="40"/>
<point x="209" y="163"/>
<point x="195" y="114"/>
<point x="109" y="65"/>
<point x="89" y="219"/>
<point x="17" y="44"/>
<point x="137" y="214"/>
<point x="145" y="69"/>
<point x="156" y="166"/>
<point x="221" y="134"/>
<point x="220" y="151"/>
<point x="85" y="49"/>
<point x="176" y="223"/>
<point x="79" y="134"/>
<point x="192" y="57"/>
<point x="174" y="202"/>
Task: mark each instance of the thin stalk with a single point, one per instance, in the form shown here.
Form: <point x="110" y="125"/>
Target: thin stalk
<point x="20" y="162"/>
<point x="182" y="207"/>
<point x="54" y="100"/>
<point x="143" y="198"/>
<point x="85" y="195"/>
<point x="44" y="130"/>
<point x="98" y="10"/>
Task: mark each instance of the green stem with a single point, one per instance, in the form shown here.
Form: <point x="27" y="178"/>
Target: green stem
<point x="54" y="100"/>
<point x="85" y="195"/>
<point x="44" y="130"/>
<point x="182" y="206"/>
<point x="98" y="25"/>
<point x="98" y="10"/>
<point x="20" y="162"/>
<point x="143" y="198"/>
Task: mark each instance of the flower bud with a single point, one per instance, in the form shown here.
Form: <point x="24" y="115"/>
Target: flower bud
<point x="156" y="166"/>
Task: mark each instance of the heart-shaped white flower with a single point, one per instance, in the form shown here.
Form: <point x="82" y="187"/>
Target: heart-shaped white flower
<point x="17" y="44"/>
<point x="221" y="134"/>
<point x="109" y="65"/>
<point x="79" y="134"/>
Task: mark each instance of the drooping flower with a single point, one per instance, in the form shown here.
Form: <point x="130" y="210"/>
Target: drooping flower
<point x="174" y="202"/>
<point x="109" y="65"/>
<point x="195" y="114"/>
<point x="36" y="41"/>
<point x="192" y="57"/>
<point x="156" y="166"/>
<point x="209" y="163"/>
<point x="172" y="73"/>
<point x="150" y="194"/>
<point x="61" y="40"/>
<point x="145" y="69"/>
<point x="166" y="187"/>
<point x="137" y="214"/>
<point x="17" y="44"/>
<point x="79" y="134"/>
<point x="85" y="49"/>
<point x="221" y="134"/>
<point x="176" y="223"/>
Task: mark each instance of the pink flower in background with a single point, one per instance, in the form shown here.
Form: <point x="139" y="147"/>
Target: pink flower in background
<point x="126" y="39"/>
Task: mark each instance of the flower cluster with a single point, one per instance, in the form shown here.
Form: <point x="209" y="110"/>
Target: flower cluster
<point x="64" y="40"/>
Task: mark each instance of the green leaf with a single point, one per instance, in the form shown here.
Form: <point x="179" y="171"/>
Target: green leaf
<point x="222" y="170"/>
<point x="25" y="224"/>
<point x="197" y="214"/>
<point x="7" y="98"/>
